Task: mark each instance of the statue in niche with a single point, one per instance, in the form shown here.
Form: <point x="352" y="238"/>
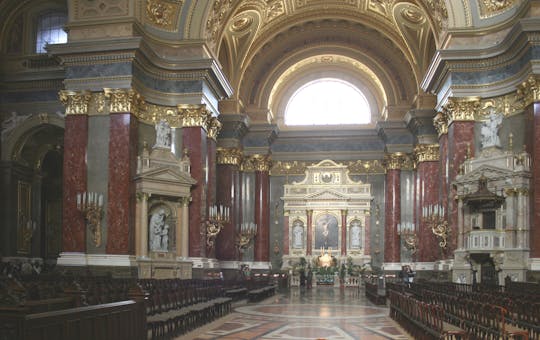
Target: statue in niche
<point x="490" y="131"/>
<point x="163" y="135"/>
<point x="159" y="231"/>
<point x="298" y="234"/>
<point x="355" y="234"/>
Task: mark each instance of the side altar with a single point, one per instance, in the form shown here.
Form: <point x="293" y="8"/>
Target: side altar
<point x="327" y="212"/>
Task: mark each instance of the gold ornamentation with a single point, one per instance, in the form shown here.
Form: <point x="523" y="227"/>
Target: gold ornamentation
<point x="490" y="8"/>
<point x="434" y="217"/>
<point x="99" y="99"/>
<point x="162" y="13"/>
<point x="366" y="167"/>
<point x="220" y="13"/>
<point x="214" y="126"/>
<point x="76" y="102"/>
<point x="90" y="204"/>
<point x="461" y="109"/>
<point x="261" y="162"/>
<point x="25" y="226"/>
<point x="440" y="121"/>
<point x="274" y="9"/>
<point x="229" y="156"/>
<point x="529" y="91"/>
<point x="194" y="115"/>
<point x="142" y="196"/>
<point x="426" y="153"/>
<point x="289" y="168"/>
<point x="394" y="161"/>
<point x="124" y="101"/>
<point x="247" y="232"/>
<point x="156" y="113"/>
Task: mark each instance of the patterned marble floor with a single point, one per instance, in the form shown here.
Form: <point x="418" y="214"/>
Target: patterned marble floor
<point x="319" y="313"/>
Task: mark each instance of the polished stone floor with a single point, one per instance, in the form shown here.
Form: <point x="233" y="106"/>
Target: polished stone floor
<point x="318" y="313"/>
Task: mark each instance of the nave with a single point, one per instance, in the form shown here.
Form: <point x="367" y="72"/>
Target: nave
<point x="318" y="313"/>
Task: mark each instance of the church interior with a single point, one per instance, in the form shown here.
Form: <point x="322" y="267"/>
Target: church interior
<point x="181" y="156"/>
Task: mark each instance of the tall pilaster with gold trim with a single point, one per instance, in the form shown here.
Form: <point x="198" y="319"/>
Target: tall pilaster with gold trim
<point x="262" y="165"/>
<point x="392" y="207"/>
<point x="228" y="193"/>
<point x="427" y="189"/>
<point x="123" y="139"/>
<point x="460" y="113"/>
<point x="441" y="124"/>
<point x="195" y="120"/>
<point x="214" y="126"/>
<point x="74" y="168"/>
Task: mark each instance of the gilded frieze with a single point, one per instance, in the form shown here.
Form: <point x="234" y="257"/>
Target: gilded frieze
<point x="398" y="161"/>
<point x="461" y="109"/>
<point x="274" y="9"/>
<point x="229" y="156"/>
<point x="75" y="102"/>
<point x="374" y="166"/>
<point x="529" y="91"/>
<point x="440" y="121"/>
<point x="154" y="113"/>
<point x="289" y="168"/>
<point x="194" y="115"/>
<point x="163" y="14"/>
<point x="123" y="100"/>
<point x="426" y="153"/>
<point x="257" y="162"/>
<point x="214" y="126"/>
<point x="217" y="17"/>
<point x="490" y="8"/>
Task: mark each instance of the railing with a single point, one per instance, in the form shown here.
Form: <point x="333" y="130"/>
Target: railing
<point x="486" y="240"/>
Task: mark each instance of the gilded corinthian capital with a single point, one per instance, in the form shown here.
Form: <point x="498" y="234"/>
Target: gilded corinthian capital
<point x="229" y="156"/>
<point x="440" y="121"/>
<point x="194" y="115"/>
<point x="529" y="90"/>
<point x="261" y="162"/>
<point x="461" y="109"/>
<point x="76" y="102"/>
<point x="123" y="100"/>
<point x="426" y="153"/>
<point x="214" y="126"/>
<point x="394" y="161"/>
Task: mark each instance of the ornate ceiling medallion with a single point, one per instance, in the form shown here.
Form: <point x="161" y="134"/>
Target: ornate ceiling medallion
<point x="162" y="13"/>
<point x="490" y="8"/>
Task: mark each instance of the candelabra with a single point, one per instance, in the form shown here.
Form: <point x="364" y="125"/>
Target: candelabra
<point x="218" y="215"/>
<point x="90" y="204"/>
<point x="246" y="233"/>
<point x="433" y="215"/>
<point x="408" y="235"/>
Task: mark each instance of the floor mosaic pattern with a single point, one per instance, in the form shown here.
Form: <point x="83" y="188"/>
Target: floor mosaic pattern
<point x="319" y="313"/>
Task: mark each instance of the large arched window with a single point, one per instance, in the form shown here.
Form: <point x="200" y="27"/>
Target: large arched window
<point x="327" y="101"/>
<point x="50" y="30"/>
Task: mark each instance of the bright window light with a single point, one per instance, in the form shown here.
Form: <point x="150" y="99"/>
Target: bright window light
<point x="50" y="30"/>
<point x="327" y="101"/>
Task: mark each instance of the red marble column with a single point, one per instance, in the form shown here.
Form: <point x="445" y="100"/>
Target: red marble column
<point x="533" y="148"/>
<point x="392" y="216"/>
<point x="309" y="238"/>
<point x="74" y="181"/>
<point x="428" y="194"/>
<point x="460" y="142"/>
<point x="121" y="191"/>
<point x="343" y="232"/>
<point x="286" y="224"/>
<point x="228" y="194"/>
<point x="211" y="185"/>
<point x="262" y="212"/>
<point x="194" y="139"/>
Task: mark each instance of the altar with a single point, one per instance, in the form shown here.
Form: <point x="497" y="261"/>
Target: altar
<point x="327" y="211"/>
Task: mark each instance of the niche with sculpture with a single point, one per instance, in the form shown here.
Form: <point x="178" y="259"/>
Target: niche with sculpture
<point x="161" y="228"/>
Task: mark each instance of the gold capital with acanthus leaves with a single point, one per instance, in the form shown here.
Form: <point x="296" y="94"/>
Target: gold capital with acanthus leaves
<point x="214" y="126"/>
<point x="123" y="100"/>
<point x="440" y="121"/>
<point x="461" y="109"/>
<point x="426" y="153"/>
<point x="261" y="162"/>
<point x="194" y="115"/>
<point x="76" y="102"/>
<point x="529" y="90"/>
<point x="394" y="161"/>
<point x="226" y="156"/>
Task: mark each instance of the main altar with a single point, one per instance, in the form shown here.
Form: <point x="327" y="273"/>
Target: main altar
<point x="326" y="214"/>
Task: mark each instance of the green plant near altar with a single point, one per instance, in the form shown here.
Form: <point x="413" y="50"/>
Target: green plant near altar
<point x="354" y="269"/>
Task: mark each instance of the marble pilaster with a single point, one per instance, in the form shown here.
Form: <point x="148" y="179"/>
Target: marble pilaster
<point x="392" y="216"/>
<point x="286" y="224"/>
<point x="262" y="211"/>
<point x="343" y="232"/>
<point x="428" y="194"/>
<point x="534" y="139"/>
<point x="309" y="238"/>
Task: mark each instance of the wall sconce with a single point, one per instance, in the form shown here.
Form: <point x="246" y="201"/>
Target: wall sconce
<point x="407" y="231"/>
<point x="218" y="215"/>
<point x="433" y="216"/>
<point x="245" y="235"/>
<point x="90" y="204"/>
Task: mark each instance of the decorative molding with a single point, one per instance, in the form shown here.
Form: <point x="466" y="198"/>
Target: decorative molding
<point x="124" y="100"/>
<point x="366" y="167"/>
<point x="231" y="156"/>
<point x="461" y="109"/>
<point x="194" y="115"/>
<point x="90" y="9"/>
<point x="154" y="113"/>
<point x="440" y="121"/>
<point x="163" y="14"/>
<point x="76" y="102"/>
<point x="529" y="90"/>
<point x="426" y="153"/>
<point x="214" y="126"/>
<point x="398" y="161"/>
<point x="257" y="163"/>
<point x="491" y="8"/>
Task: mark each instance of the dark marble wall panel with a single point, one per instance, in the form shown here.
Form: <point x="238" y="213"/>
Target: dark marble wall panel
<point x="428" y="194"/>
<point x="262" y="215"/>
<point x="278" y="223"/>
<point x="75" y="147"/>
<point x="228" y="194"/>
<point x="534" y="242"/>
<point x="121" y="192"/>
<point x="248" y="206"/>
<point x="392" y="211"/>
<point x="446" y="185"/>
<point x="407" y="208"/>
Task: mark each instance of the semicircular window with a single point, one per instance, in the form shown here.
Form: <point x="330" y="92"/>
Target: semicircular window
<point x="327" y="101"/>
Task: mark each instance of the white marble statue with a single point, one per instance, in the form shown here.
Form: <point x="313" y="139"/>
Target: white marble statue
<point x="490" y="131"/>
<point x="298" y="235"/>
<point x="163" y="135"/>
<point x="159" y="231"/>
<point x="355" y="234"/>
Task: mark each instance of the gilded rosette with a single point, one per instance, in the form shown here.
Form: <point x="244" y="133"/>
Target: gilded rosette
<point x="123" y="100"/>
<point x="440" y="121"/>
<point x="76" y="102"/>
<point x="229" y="156"/>
<point x="461" y="109"/>
<point x="426" y="153"/>
<point x="529" y="91"/>
<point x="214" y="126"/>
<point x="194" y="115"/>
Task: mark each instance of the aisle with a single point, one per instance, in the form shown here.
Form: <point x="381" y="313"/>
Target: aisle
<point x="319" y="313"/>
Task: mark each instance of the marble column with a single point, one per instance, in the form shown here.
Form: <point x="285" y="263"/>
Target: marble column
<point x="392" y="208"/>
<point x="343" y="232"/>
<point x="141" y="225"/>
<point x="74" y="169"/>
<point x="534" y="150"/>
<point x="427" y="189"/>
<point x="309" y="235"/>
<point x="228" y="194"/>
<point x="213" y="129"/>
<point x="460" y="114"/>
<point x="123" y="143"/>
<point x="184" y="250"/>
<point x="194" y="138"/>
<point x="286" y="225"/>
<point x="367" y="235"/>
<point x="262" y="211"/>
